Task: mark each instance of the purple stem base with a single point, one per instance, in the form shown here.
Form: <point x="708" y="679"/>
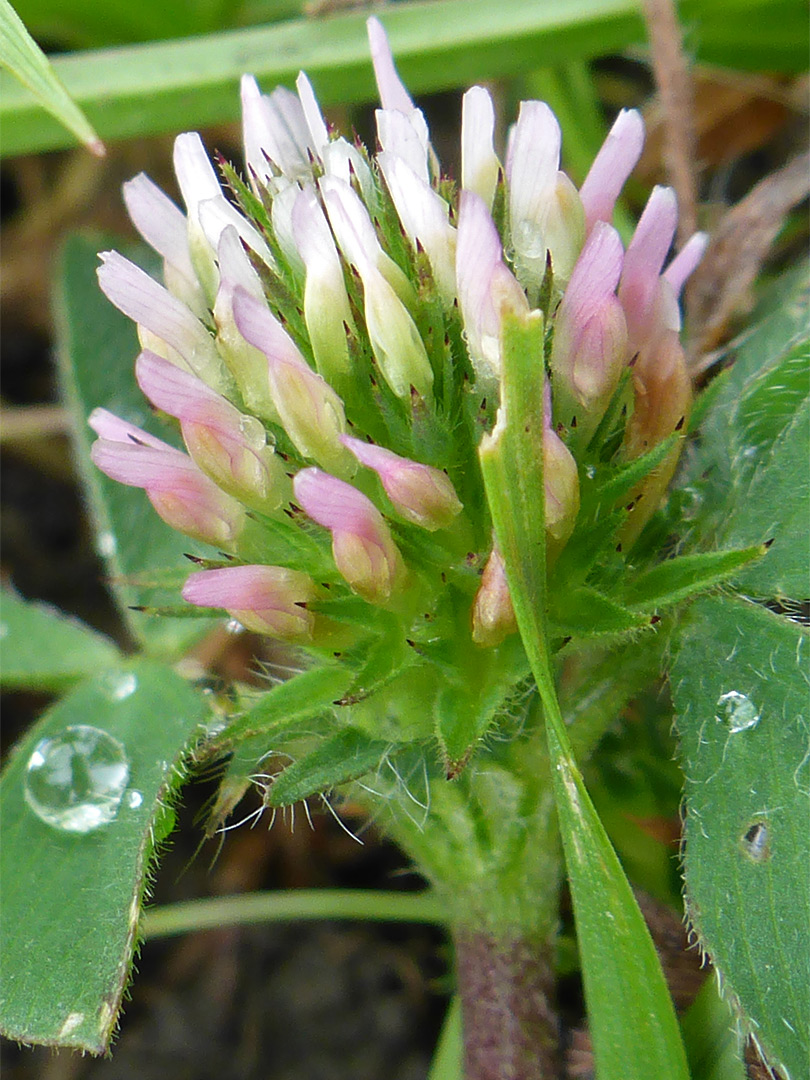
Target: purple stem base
<point x="507" y="994"/>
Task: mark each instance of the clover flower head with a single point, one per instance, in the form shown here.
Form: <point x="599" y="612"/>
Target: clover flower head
<point x="329" y="336"/>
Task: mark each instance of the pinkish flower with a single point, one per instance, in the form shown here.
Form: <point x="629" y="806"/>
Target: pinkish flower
<point x="590" y="334"/>
<point x="545" y="212"/>
<point x="396" y="342"/>
<point x="420" y="493"/>
<point x="560" y="483"/>
<point x="643" y="262"/>
<point x="611" y="167"/>
<point x="310" y="410"/>
<point x="485" y="286"/>
<point x="228" y="446"/>
<point x="170" y="321"/>
<point x="182" y="495"/>
<point x="493" y="617"/>
<point x="267" y="599"/>
<point x="362" y="545"/>
<point x="164" y="227"/>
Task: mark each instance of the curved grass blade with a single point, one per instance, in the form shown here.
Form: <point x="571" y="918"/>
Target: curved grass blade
<point x="21" y="55"/>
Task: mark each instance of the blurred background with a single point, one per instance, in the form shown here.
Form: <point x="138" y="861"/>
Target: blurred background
<point x="305" y="1002"/>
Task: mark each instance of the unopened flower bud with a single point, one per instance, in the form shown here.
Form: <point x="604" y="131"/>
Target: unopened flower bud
<point x="590" y="335"/>
<point x="246" y="363"/>
<point x="266" y="599"/>
<point x="643" y="262"/>
<point x="420" y="493"/>
<point x="326" y="305"/>
<point x="310" y="410"/>
<point x="493" y="617"/>
<point x="229" y="447"/>
<point x="424" y="217"/>
<point x="362" y="545"/>
<point x="182" y="495"/>
<point x="397" y="344"/>
<point x="545" y="212"/>
<point x="486" y="288"/>
<point x="198" y="182"/>
<point x="561" y="484"/>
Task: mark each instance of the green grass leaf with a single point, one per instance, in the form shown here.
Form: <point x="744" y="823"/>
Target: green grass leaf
<point x="740" y="688"/>
<point x="71" y="900"/>
<point x="21" y="55"/>
<point x="631" y="1018"/>
<point x="43" y="649"/>
<point x="177" y="85"/>
<point x="97" y="346"/>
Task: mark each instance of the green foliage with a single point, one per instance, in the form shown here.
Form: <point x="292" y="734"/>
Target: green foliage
<point x="43" y="649"/>
<point x="71" y="900"/>
<point x="632" y="1021"/>
<point x="174" y="85"/>
<point x="712" y="1044"/>
<point x="21" y="56"/>
<point x="740" y="687"/>
<point x="747" y="482"/>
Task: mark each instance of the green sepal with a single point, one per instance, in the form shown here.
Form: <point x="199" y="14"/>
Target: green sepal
<point x="307" y="694"/>
<point x="610" y="484"/>
<point x="584" y="612"/>
<point x="686" y="575"/>
<point x="346" y="756"/>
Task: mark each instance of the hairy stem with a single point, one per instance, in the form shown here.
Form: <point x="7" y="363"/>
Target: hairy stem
<point x="507" y="998"/>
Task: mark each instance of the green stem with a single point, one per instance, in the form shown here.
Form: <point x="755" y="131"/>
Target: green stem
<point x="246" y="908"/>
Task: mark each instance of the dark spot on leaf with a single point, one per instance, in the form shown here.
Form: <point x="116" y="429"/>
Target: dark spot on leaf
<point x="755" y="842"/>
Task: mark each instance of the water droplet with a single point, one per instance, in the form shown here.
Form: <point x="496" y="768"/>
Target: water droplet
<point x="72" y="1021"/>
<point x="134" y="799"/>
<point x="76" y="779"/>
<point x="736" y="711"/>
<point x="119" y="685"/>
<point x="106" y="544"/>
<point x="233" y="626"/>
<point x="253" y="431"/>
<point x="755" y="842"/>
<point x="3" y="630"/>
<point x="590" y="471"/>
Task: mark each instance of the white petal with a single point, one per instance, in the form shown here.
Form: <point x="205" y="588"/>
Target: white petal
<point x="479" y="164"/>
<point x="217" y="214"/>
<point x="397" y="135"/>
<point x="194" y="171"/>
<point x="424" y="217"/>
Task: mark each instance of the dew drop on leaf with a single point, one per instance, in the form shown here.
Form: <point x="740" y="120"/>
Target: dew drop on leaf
<point x="75" y="780"/>
<point x="736" y="711"/>
<point x="120" y="685"/>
